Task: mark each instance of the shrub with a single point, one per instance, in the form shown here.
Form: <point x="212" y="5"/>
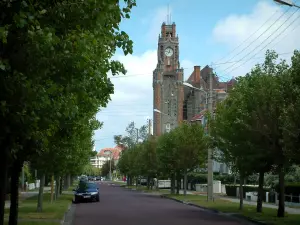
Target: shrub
<point x="290" y="189"/>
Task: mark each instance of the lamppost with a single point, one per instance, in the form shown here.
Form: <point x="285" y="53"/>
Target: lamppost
<point x="210" y="174"/>
<point x="287" y="2"/>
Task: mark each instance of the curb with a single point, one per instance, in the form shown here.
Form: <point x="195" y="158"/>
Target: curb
<point x="69" y="215"/>
<point x="234" y="216"/>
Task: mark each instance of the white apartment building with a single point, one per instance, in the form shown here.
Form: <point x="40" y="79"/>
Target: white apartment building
<point x="105" y="154"/>
<point x="98" y="161"/>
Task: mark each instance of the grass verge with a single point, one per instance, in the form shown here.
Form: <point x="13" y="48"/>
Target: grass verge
<point x="51" y="211"/>
<point x="268" y="215"/>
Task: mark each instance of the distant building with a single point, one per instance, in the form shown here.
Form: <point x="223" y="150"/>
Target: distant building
<point x="105" y="154"/>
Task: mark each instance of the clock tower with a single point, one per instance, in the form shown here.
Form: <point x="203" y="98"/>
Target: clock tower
<point x="167" y="82"/>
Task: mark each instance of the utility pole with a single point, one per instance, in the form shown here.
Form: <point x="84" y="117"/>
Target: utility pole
<point x="23" y="178"/>
<point x="149" y="127"/>
<point x="110" y="177"/>
<point x="137" y="135"/>
<point x="209" y="159"/>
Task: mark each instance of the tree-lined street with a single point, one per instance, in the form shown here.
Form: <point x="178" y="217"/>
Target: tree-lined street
<point x="121" y="206"/>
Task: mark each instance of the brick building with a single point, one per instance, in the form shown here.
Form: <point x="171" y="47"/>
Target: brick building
<point x="173" y="102"/>
<point x="167" y="82"/>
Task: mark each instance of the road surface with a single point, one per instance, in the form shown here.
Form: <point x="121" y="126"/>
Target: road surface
<point x="119" y="206"/>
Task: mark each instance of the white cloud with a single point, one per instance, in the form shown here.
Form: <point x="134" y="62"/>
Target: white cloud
<point x="188" y="67"/>
<point x="133" y="97"/>
<point x="132" y="100"/>
<point x="154" y="21"/>
<point x="234" y="29"/>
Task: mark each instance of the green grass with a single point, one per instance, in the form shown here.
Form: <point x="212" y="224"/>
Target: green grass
<point x="51" y="211"/>
<point x="268" y="215"/>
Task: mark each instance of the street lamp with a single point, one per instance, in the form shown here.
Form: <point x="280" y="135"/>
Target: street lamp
<point x="168" y="127"/>
<point x="209" y="152"/>
<point x="287" y="2"/>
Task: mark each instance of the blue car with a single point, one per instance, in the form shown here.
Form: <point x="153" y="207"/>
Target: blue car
<point x="86" y="191"/>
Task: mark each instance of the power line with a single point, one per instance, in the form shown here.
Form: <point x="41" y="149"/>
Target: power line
<point x="215" y="64"/>
<point x="247" y="38"/>
<point x="264" y="33"/>
<point x="265" y="45"/>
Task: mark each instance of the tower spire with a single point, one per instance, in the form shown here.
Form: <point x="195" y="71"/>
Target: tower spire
<point x="168" y="15"/>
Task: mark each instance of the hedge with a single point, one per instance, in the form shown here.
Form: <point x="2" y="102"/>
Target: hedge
<point x="290" y="189"/>
<point x="231" y="190"/>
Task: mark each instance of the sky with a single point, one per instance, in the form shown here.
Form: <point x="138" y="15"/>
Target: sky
<point x="229" y="35"/>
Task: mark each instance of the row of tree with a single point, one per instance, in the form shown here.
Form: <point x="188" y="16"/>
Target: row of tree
<point x="173" y="155"/>
<point x="257" y="127"/>
<point x="54" y="61"/>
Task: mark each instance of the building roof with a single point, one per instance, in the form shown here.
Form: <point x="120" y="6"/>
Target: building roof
<point x="199" y="116"/>
<point x="114" y="151"/>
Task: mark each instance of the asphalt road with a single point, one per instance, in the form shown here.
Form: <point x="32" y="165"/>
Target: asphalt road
<point x="119" y="206"/>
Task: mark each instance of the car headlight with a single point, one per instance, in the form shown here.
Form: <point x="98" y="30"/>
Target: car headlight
<point x="94" y="193"/>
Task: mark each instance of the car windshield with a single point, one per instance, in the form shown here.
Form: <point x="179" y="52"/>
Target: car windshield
<point x="85" y="186"/>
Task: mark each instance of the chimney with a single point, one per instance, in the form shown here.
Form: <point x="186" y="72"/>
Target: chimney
<point x="197" y="76"/>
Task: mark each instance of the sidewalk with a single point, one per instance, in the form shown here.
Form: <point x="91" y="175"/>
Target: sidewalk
<point x="266" y="205"/>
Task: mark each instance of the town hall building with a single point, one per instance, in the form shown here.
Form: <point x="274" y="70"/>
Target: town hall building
<point x="174" y="102"/>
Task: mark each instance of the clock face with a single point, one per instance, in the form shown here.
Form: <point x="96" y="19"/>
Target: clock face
<point x="169" y="52"/>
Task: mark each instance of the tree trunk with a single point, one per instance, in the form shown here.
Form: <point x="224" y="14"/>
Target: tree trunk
<point x="185" y="182"/>
<point x="52" y="188"/>
<point x="72" y="180"/>
<point x="177" y="183"/>
<point x="14" y="188"/>
<point x="173" y="183"/>
<point x="260" y="192"/>
<point x="127" y="180"/>
<point x="39" y="207"/>
<point x="69" y="180"/>
<point x="60" y="185"/>
<point x="3" y="181"/>
<point x="57" y="187"/>
<point x="148" y="182"/>
<point x="66" y="182"/>
<point x="281" y="207"/>
<point x="136" y="182"/>
<point x="241" y="192"/>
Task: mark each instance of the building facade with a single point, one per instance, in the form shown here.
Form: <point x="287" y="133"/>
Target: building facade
<point x="105" y="154"/>
<point x="168" y="93"/>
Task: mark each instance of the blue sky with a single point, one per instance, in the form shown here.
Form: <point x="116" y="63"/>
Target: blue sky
<point x="208" y="31"/>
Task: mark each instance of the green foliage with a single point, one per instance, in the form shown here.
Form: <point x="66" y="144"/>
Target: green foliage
<point x="90" y="170"/>
<point x="133" y="135"/>
<point x="182" y="149"/>
<point x="106" y="167"/>
<point x="55" y="57"/>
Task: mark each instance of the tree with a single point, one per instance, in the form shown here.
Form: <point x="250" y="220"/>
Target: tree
<point x="132" y="136"/>
<point x="258" y="99"/>
<point x="34" y="95"/>
<point x="148" y="160"/>
<point x="109" y="164"/>
<point x="192" y="145"/>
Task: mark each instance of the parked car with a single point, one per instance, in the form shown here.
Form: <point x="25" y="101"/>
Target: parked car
<point x="86" y="191"/>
